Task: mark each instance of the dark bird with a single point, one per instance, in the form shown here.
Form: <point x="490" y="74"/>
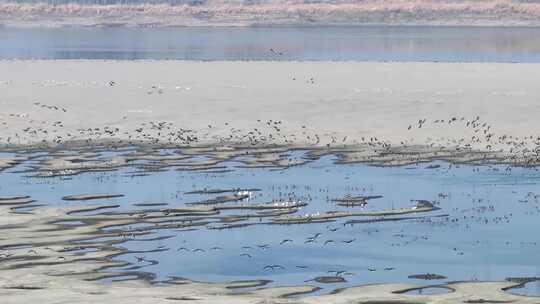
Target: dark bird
<point x="246" y="255"/>
<point x="264" y="246"/>
<point x="316" y="235"/>
<point x="272" y="267"/>
<point x="276" y="53"/>
<point x="285" y="241"/>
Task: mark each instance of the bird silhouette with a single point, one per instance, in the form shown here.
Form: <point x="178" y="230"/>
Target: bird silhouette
<point x="264" y="246"/>
<point x="285" y="241"/>
<point x="273" y="267"/>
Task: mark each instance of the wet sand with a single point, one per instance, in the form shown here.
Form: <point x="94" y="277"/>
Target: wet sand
<point x="481" y="107"/>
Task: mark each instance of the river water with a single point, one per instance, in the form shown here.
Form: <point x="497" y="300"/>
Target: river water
<point x="339" y="43"/>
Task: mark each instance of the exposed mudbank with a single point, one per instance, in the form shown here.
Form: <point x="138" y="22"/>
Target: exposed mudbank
<point x="427" y="276"/>
<point x="59" y="162"/>
<point x="236" y="128"/>
<point x="393" y="129"/>
<point x="87" y="197"/>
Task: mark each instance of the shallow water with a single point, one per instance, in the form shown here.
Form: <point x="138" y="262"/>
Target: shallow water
<point x="485" y="229"/>
<point x="529" y="289"/>
<point x="362" y="43"/>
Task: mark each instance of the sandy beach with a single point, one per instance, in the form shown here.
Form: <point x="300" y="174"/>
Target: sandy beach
<point x="487" y="106"/>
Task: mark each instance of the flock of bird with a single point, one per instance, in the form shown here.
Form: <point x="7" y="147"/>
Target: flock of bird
<point x="269" y="132"/>
<point x="481" y="137"/>
<point x="477" y="135"/>
<point x="249" y="253"/>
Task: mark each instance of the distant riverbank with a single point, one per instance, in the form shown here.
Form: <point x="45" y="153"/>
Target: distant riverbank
<point x="236" y="13"/>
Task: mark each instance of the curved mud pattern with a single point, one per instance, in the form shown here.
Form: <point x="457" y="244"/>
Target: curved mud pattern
<point x="87" y="197"/>
<point x="427" y="276"/>
<point x="329" y="279"/>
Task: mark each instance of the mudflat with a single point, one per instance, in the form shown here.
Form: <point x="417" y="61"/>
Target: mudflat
<point x="294" y="103"/>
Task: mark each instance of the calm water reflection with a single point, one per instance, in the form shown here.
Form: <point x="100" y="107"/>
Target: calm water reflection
<point x="377" y="43"/>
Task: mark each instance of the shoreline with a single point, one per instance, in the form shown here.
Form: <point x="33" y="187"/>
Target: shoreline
<point x="51" y="24"/>
<point x="406" y="155"/>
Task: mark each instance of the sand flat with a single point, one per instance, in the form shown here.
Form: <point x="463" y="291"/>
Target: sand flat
<point x="340" y="102"/>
